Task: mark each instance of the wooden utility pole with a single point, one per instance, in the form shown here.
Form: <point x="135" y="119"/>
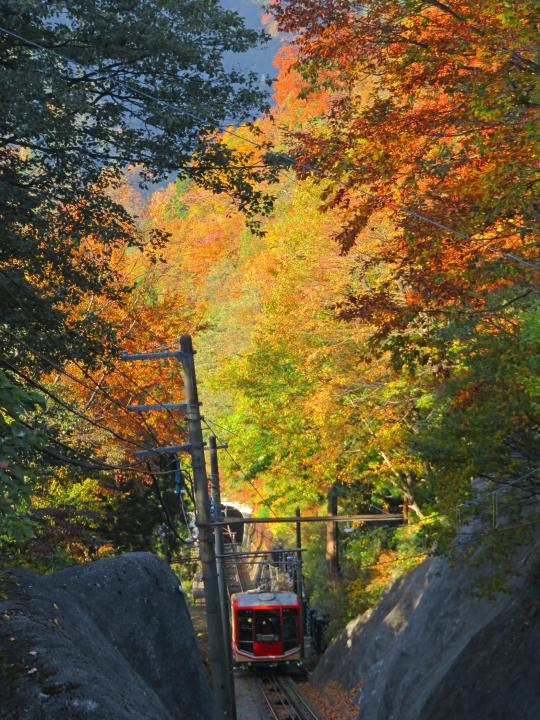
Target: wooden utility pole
<point x="214" y="622"/>
<point x="191" y="410"/>
<point x="222" y="578"/>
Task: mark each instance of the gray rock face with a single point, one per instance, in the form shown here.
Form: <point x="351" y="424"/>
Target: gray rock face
<point x="432" y="650"/>
<point x="111" y="640"/>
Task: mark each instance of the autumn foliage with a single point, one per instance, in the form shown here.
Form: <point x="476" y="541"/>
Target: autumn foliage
<point x="432" y="119"/>
<point x="375" y="329"/>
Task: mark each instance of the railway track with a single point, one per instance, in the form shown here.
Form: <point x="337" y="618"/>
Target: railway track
<point x="283" y="700"/>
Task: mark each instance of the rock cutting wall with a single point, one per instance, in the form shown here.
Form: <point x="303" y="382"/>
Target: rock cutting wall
<point x="433" y="650"/>
<point x="111" y="640"/>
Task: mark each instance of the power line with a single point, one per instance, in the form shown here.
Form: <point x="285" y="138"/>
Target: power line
<point x="146" y="328"/>
<point x="25" y="289"/>
<point x="84" y="372"/>
<point x="264" y="500"/>
<point x="90" y="464"/>
<point x="93" y="465"/>
<point x="87" y="461"/>
<point x="67" y="406"/>
<point x="165" y="510"/>
<point x="72" y="377"/>
<point x="328" y="176"/>
<point x="289" y="158"/>
<point x="141" y="423"/>
<point x="513" y="481"/>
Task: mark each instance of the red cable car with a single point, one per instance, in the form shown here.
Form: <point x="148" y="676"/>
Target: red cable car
<point x="266" y="628"/>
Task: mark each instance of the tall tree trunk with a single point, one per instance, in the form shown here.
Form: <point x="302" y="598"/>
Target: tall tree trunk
<point x="405" y="508"/>
<point x="332" y="538"/>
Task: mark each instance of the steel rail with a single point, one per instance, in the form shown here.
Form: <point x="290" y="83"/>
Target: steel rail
<point x="268" y="702"/>
<point x="283" y="700"/>
<point x="300" y="701"/>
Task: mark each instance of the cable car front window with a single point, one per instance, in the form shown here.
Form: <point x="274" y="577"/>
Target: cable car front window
<point x="267" y="626"/>
<point x="290" y="619"/>
<point x="245" y="630"/>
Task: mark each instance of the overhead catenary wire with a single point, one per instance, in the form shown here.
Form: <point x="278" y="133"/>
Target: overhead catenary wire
<point x="285" y="156"/>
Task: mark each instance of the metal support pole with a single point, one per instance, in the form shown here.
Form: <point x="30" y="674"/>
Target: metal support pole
<point x="222" y="580"/>
<point x="332" y="539"/>
<point x="299" y="584"/>
<point x="216" y="657"/>
<point x="379" y="518"/>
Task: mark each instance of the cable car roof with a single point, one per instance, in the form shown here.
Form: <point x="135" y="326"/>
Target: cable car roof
<point x="266" y="599"/>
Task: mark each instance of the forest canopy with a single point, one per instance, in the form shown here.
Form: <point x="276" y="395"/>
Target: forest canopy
<point x="358" y="265"/>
